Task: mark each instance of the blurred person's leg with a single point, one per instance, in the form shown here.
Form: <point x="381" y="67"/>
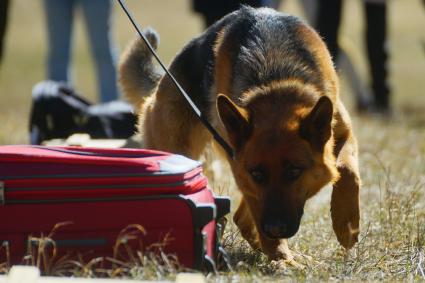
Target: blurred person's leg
<point x="348" y="54"/>
<point x="203" y="7"/>
<point x="98" y="17"/>
<point x="310" y="8"/>
<point x="212" y="11"/>
<point x="4" y="7"/>
<point x="59" y="19"/>
<point x="211" y="17"/>
<point x="275" y="4"/>
<point x="376" y="36"/>
<point x="328" y="23"/>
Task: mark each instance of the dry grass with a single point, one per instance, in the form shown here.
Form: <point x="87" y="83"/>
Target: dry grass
<point x="392" y="152"/>
<point x="392" y="242"/>
<point x="130" y="258"/>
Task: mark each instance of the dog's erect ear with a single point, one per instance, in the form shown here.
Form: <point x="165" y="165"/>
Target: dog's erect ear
<point x="235" y="120"/>
<point x="316" y="128"/>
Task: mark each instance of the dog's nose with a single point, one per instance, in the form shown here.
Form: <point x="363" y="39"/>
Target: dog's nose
<point x="275" y="229"/>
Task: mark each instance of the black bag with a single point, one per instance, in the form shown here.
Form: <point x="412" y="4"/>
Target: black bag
<point x="58" y="112"/>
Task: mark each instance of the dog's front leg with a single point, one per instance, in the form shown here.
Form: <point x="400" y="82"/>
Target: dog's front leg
<point x="345" y="209"/>
<point x="246" y="224"/>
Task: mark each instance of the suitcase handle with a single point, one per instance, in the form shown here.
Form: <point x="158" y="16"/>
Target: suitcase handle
<point x="83" y="242"/>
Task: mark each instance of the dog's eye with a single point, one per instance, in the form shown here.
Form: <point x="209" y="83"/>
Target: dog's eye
<point x="293" y="172"/>
<point x="258" y="175"/>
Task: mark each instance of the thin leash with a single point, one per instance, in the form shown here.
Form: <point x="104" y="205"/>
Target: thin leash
<point x="192" y="105"/>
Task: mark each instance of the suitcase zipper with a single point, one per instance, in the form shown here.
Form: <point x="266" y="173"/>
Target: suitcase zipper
<point x="15" y="193"/>
<point x="164" y="177"/>
<point x="97" y="154"/>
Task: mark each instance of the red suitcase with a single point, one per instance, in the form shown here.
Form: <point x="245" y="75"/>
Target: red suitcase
<point x="102" y="191"/>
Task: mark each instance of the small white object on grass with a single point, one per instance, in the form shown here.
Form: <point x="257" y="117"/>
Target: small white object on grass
<point x="23" y="274"/>
<point x="190" y="278"/>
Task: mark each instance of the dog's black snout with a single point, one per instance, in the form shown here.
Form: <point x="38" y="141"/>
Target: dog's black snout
<point x="275" y="229"/>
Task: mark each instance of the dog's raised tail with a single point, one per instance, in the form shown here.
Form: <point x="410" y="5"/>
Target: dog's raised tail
<point x="138" y="76"/>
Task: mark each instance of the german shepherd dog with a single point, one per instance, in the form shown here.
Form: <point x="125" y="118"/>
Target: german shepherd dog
<point x="268" y="84"/>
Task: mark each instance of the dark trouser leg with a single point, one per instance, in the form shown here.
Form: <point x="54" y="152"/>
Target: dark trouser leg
<point x="328" y="22"/>
<point x="376" y="34"/>
<point x="211" y="18"/>
<point x="4" y="5"/>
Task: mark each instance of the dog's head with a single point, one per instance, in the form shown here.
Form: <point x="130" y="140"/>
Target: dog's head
<point x="282" y="139"/>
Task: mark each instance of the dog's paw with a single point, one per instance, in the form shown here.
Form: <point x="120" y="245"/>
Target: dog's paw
<point x="345" y="209"/>
<point x="347" y="233"/>
<point x="279" y="264"/>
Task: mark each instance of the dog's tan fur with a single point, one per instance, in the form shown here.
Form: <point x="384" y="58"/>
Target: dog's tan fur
<point x="279" y="124"/>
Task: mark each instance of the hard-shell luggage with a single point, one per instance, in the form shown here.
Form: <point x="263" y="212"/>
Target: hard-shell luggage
<point x="101" y="192"/>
